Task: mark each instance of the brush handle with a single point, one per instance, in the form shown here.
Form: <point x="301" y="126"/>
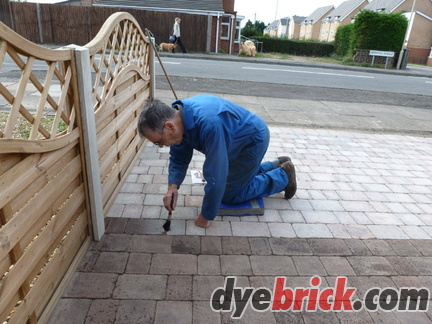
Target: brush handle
<point x="172" y="206"/>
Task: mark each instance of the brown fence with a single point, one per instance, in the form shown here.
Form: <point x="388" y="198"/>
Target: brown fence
<point x="81" y="107"/>
<point x="65" y="24"/>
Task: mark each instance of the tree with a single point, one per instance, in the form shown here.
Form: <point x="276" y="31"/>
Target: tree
<point x="253" y="29"/>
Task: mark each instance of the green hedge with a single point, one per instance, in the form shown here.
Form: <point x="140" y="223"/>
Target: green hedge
<point x="295" y="47"/>
<point x="379" y="31"/>
<point x="343" y="39"/>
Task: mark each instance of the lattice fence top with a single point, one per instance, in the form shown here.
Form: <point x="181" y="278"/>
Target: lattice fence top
<point x="119" y="43"/>
<point x="42" y="104"/>
<point x="36" y="89"/>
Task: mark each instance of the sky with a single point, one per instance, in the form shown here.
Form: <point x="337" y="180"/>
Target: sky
<point x="269" y="10"/>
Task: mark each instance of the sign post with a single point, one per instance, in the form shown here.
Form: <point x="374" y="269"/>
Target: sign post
<point x="381" y="53"/>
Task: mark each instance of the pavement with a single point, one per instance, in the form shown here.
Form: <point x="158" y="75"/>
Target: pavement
<point x="362" y="212"/>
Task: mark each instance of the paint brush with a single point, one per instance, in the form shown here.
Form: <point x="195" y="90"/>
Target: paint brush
<point x="167" y="225"/>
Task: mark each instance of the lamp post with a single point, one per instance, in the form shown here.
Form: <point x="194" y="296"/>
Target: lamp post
<point x="410" y="21"/>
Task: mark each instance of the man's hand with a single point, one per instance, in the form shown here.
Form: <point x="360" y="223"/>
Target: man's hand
<point x="170" y="198"/>
<point x="200" y="221"/>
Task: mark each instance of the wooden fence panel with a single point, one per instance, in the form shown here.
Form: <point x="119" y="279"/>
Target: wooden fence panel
<point x="45" y="206"/>
<point x="25" y="20"/>
<point x="43" y="193"/>
<point x="64" y="24"/>
<point x="120" y="91"/>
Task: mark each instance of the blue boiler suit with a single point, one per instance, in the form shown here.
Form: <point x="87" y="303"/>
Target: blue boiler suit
<point x="234" y="141"/>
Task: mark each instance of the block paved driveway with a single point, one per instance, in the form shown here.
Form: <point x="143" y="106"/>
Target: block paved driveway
<point x="362" y="210"/>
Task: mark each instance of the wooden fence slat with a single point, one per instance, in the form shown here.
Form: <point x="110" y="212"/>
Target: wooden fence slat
<point x="23" y="267"/>
<point x="12" y="232"/>
<point x="51" y="276"/>
<point x="26" y="171"/>
<point x="41" y="105"/>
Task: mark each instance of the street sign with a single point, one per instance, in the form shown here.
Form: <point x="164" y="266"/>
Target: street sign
<point x="381" y="53"/>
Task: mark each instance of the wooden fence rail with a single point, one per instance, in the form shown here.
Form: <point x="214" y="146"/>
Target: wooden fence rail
<point x="68" y="139"/>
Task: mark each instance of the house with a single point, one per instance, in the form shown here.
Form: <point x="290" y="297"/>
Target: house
<point x="272" y="29"/>
<point x="222" y="30"/>
<point x="342" y="15"/>
<point x="419" y="35"/>
<point x="278" y="28"/>
<point x="311" y="26"/>
<point x="294" y="26"/>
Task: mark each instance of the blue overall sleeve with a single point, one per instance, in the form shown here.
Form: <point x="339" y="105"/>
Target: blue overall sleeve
<point x="180" y="157"/>
<point x="215" y="167"/>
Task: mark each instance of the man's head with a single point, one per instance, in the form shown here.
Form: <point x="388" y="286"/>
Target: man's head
<point x="177" y="20"/>
<point x="160" y="124"/>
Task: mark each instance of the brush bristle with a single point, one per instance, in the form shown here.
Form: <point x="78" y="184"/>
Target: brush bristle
<point x="167" y="226"/>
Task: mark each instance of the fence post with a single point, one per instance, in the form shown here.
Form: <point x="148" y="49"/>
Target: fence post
<point x="82" y="58"/>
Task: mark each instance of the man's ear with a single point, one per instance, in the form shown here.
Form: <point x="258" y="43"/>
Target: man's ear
<point x="169" y="125"/>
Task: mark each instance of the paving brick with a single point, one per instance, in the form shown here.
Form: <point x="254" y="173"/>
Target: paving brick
<point x="232" y="265"/>
<point x="422" y="264"/>
<point x="138" y="263"/>
<point x="209" y="265"/>
<point x="272" y="265"/>
<point x="116" y="225"/>
<point x="135" y="311"/>
<point x="235" y="245"/>
<point x="402" y="266"/>
<point x="88" y="261"/>
<point x="91" y="285"/>
<point x="281" y="230"/>
<point x="312" y="230"/>
<point x="364" y="283"/>
<point x="114" y="242"/>
<point x="145" y="226"/>
<point x="211" y="245"/>
<point x="173" y="312"/>
<point x="329" y="247"/>
<point x="111" y="262"/>
<point x="339" y="231"/>
<point x="359" y="231"/>
<point x="371" y="266"/>
<point x="150" y="244"/>
<point x="179" y="288"/>
<point x="404" y="247"/>
<point x="337" y="266"/>
<point x="202" y="314"/>
<point x="250" y="316"/>
<point x="387" y="232"/>
<point x="186" y="244"/>
<point x="70" y="310"/>
<point x="116" y="210"/>
<point x="379" y="247"/>
<point x="174" y="264"/>
<point x="136" y="286"/>
<point x="250" y="229"/>
<point x="319" y="317"/>
<point x="102" y="311"/>
<point x="290" y="246"/>
<point x="260" y="246"/>
<point x="291" y="216"/>
<point x="219" y="228"/>
<point x="203" y="286"/>
<point x="309" y="265"/>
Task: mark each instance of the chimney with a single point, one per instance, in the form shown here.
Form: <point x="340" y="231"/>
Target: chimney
<point x="228" y="5"/>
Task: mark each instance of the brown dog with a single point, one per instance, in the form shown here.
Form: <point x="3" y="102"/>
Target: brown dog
<point x="167" y="46"/>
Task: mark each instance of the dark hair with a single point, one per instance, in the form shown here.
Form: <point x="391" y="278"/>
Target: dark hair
<point x="153" y="116"/>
